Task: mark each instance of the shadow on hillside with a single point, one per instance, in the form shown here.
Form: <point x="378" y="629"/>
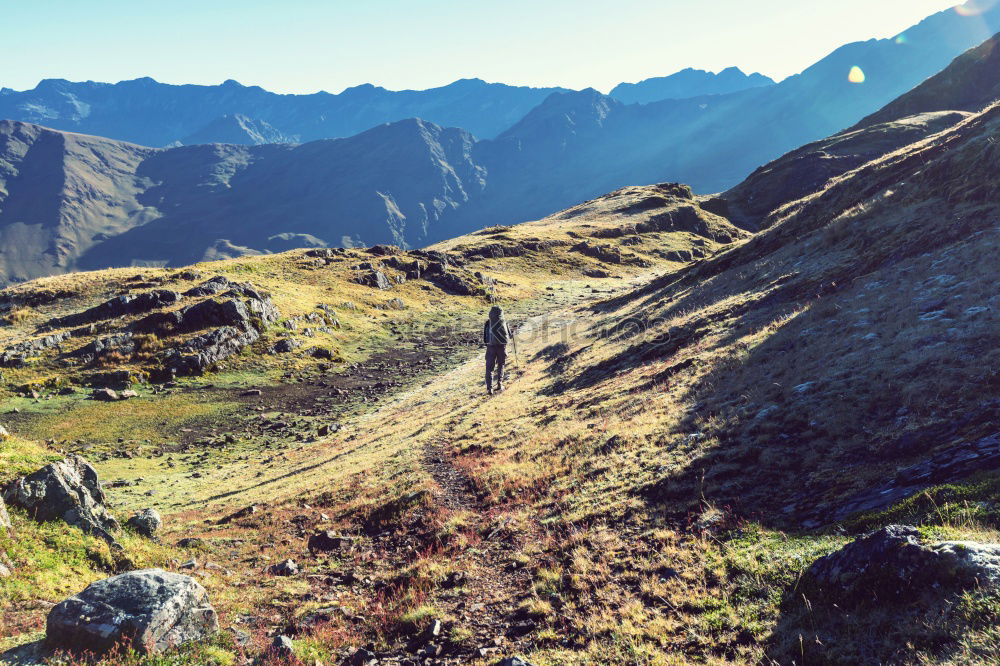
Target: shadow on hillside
<point x="25" y="655"/>
<point x="789" y="432"/>
<point x="813" y="630"/>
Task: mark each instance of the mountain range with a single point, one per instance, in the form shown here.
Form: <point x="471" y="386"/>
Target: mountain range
<point x="71" y="202"/>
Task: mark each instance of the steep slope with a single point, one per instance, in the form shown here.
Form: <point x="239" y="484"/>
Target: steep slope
<point x="969" y="84"/>
<point x="158" y="114"/>
<point x="73" y="202"/>
<point x="60" y="194"/>
<point x="236" y="129"/>
<point x="688" y="83"/>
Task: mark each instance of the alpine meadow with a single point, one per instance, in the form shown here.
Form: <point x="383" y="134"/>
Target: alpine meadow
<point x="701" y="369"/>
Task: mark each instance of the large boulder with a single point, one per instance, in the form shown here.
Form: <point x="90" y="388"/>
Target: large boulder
<point x="67" y="490"/>
<point x="149" y="610"/>
<point x="146" y="523"/>
<point x="895" y="562"/>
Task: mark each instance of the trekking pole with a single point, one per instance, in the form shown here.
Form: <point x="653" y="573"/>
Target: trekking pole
<point x="513" y="339"/>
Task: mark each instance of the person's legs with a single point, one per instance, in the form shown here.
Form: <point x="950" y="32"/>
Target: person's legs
<point x="501" y="360"/>
<point x="491" y="359"/>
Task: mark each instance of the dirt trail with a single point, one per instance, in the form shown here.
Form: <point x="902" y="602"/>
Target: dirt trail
<point x="494" y="584"/>
<point x="456" y="488"/>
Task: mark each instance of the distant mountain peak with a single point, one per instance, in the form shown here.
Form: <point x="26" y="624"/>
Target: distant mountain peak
<point x="687" y="83"/>
<point x="237" y="128"/>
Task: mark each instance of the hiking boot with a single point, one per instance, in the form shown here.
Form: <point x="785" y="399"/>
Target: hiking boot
<point x="489" y="390"/>
<point x="499" y="387"/>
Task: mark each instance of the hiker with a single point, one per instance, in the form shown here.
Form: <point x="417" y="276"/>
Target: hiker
<point x="496" y="335"/>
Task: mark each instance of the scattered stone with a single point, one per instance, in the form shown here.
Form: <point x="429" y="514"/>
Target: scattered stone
<point x="190" y="564"/>
<point x="4" y="571"/>
<point x="282" y="647"/>
<point x="245" y="512"/>
<point x="329" y="541"/>
<point x="455" y="579"/>
<point x="240" y="638"/>
<point x="285" y="568"/>
<point x="104" y="395"/>
<point x="67" y="490"/>
<point x="145" y="523"/>
<point x="362" y="657"/>
<point x="191" y="542"/>
<point x="125" y="395"/>
<point x="152" y="610"/>
<point x="285" y="346"/>
<point x="521" y="628"/>
<point x="514" y="661"/>
<point x="252" y="393"/>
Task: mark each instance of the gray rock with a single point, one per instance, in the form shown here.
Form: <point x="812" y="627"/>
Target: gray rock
<point x="5" y="523"/>
<point x="285" y="346"/>
<point x="4" y="571"/>
<point x="282" y="647"/>
<point x="329" y="541"/>
<point x="151" y="610"/>
<point x="286" y="568"/>
<point x="362" y="657"/>
<point x="375" y="279"/>
<point x="104" y="395"/>
<point x="67" y="490"/>
<point x="893" y="562"/>
<point x="514" y="661"/>
<point x="146" y="522"/>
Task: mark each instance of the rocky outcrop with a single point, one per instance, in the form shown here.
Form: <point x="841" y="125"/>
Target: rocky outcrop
<point x="17" y="355"/>
<point x="120" y="306"/>
<point x="894" y="562"/>
<point x="201" y="353"/>
<point x="240" y="319"/>
<point x="119" y="343"/>
<point x="67" y="490"/>
<point x="145" y="523"/>
<point x="955" y="462"/>
<point x="150" y="611"/>
<point x="611" y="254"/>
<point x="374" y="278"/>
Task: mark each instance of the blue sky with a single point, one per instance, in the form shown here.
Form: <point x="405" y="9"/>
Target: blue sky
<point x="303" y="46"/>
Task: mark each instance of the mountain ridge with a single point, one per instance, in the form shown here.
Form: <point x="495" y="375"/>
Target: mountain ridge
<point x="688" y="82"/>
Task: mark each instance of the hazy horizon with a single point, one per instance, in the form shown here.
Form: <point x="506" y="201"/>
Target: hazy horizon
<point x="310" y="46"/>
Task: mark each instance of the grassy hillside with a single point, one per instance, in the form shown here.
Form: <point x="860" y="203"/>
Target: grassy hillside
<point x="680" y="439"/>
